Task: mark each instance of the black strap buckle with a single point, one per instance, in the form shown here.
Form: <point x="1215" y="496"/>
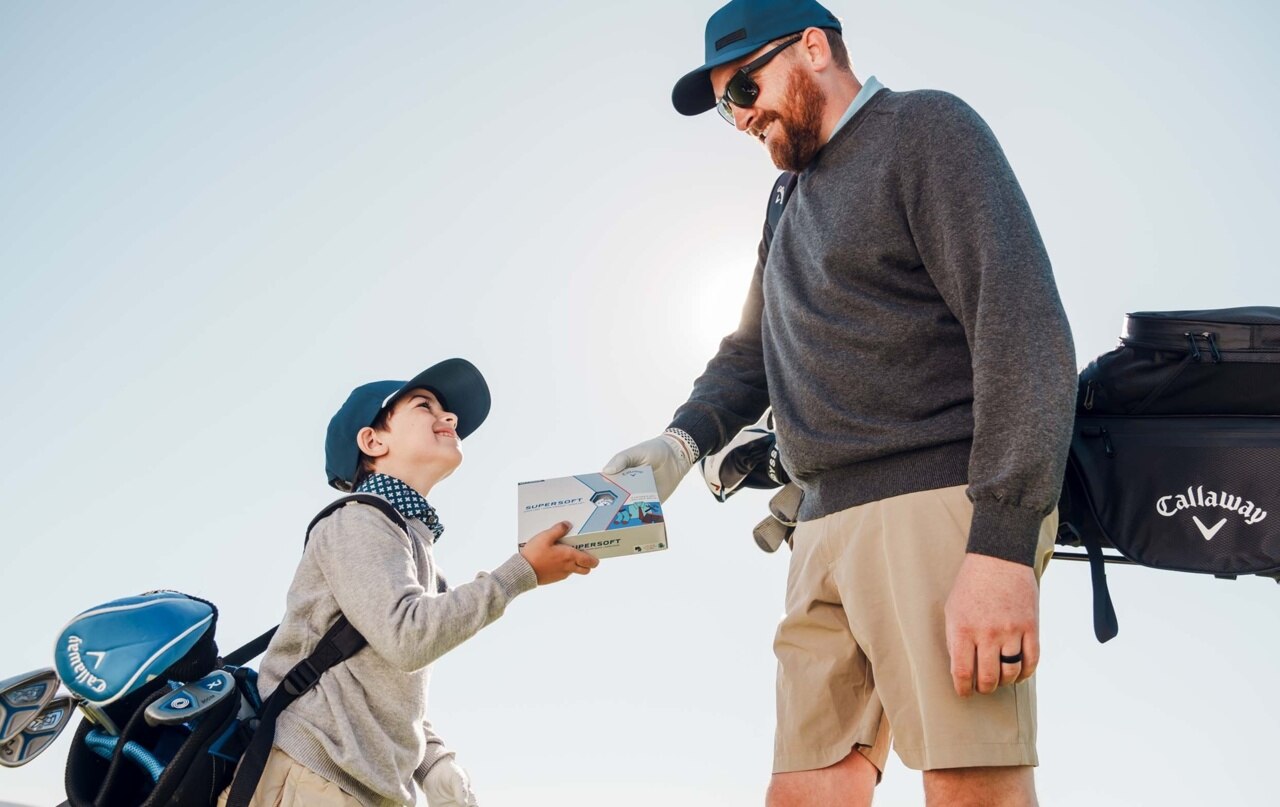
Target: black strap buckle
<point x="301" y="678"/>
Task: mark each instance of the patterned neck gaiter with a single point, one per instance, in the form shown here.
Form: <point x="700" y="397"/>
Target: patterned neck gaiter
<point x="405" y="499"/>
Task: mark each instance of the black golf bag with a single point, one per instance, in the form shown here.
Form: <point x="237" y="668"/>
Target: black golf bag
<point x="1175" y="454"/>
<point x="126" y="655"/>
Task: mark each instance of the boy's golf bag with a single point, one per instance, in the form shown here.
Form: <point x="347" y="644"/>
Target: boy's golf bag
<point x="1175" y="454"/>
<point x="166" y="719"/>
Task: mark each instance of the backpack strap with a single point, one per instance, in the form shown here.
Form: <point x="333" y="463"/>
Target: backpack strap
<point x="383" y="506"/>
<point x="778" y="196"/>
<point x="340" y="643"/>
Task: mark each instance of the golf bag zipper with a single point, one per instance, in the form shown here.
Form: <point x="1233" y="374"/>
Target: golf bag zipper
<point x="1211" y="339"/>
<point x="1095" y="432"/>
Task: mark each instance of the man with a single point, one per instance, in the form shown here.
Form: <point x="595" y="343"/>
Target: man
<point x="905" y="326"/>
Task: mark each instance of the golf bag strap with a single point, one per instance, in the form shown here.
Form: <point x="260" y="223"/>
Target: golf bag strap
<point x="384" y="506"/>
<point x="1105" y="625"/>
<point x="778" y="196"/>
<point x="339" y="644"/>
<point x="244" y="654"/>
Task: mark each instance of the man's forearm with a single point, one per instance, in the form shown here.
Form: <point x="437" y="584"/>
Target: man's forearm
<point x="732" y="392"/>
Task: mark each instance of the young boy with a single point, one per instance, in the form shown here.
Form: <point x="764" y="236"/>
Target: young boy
<point x="361" y="736"/>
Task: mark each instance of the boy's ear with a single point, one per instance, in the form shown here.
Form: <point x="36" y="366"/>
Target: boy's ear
<point x="368" y="441"/>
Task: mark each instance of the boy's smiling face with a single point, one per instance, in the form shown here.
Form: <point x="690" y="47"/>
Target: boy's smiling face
<point x="420" y="445"/>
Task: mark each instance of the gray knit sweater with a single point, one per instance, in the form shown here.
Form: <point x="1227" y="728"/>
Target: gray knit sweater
<point x="364" y="725"/>
<point x="906" y="328"/>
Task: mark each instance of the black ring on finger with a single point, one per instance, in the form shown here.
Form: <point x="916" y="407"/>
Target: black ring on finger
<point x="1016" y="658"/>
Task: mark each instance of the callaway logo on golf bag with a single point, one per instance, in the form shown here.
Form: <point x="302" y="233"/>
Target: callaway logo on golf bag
<point x="166" y="719"/>
<point x="1169" y="506"/>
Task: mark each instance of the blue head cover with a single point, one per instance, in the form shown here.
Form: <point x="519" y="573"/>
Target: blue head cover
<point x="107" y="652"/>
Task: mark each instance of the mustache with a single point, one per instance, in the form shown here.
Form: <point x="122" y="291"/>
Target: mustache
<point x="762" y="122"/>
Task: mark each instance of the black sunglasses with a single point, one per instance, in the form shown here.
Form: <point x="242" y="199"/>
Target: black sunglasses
<point x="741" y="90"/>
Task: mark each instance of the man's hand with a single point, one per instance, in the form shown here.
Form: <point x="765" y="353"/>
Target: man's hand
<point x="993" y="610"/>
<point x="447" y="785"/>
<point x="666" y="454"/>
<point x="553" y="562"/>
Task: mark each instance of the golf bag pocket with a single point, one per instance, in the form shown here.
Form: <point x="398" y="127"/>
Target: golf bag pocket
<point x="1188" y="494"/>
<point x="1217" y="362"/>
<point x="1185" y="494"/>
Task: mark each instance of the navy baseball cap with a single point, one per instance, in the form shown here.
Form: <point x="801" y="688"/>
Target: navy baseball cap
<point x="741" y="27"/>
<point x="456" y="382"/>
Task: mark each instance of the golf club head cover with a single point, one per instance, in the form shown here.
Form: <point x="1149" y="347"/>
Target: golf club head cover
<point x="115" y="649"/>
<point x="776" y="528"/>
<point x="749" y="460"/>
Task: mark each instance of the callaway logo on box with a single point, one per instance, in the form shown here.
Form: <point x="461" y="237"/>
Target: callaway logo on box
<point x="611" y="515"/>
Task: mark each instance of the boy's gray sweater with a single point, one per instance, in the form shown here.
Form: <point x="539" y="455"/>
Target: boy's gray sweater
<point x="364" y="725"/>
<point x="905" y="328"/>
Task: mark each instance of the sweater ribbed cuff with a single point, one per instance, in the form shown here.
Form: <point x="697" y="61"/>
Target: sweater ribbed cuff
<point x="435" y="753"/>
<point x="515" y="576"/>
<point x="1005" y="532"/>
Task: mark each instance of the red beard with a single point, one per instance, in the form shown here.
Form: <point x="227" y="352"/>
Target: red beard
<point x="800" y="122"/>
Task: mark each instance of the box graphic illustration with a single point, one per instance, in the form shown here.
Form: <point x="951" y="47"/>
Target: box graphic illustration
<point x="615" y="514"/>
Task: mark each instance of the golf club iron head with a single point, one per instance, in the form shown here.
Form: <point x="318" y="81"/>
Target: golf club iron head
<point x="190" y="701"/>
<point x="21" y="699"/>
<point x="39" y="733"/>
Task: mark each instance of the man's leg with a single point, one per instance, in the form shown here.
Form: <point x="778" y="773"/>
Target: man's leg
<point x="980" y="787"/>
<point x="827" y="701"/>
<point x="893" y="577"/>
<point x="848" y="783"/>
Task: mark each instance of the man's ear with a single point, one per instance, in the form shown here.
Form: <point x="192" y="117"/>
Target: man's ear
<point x="368" y="441"/>
<point x="817" y="50"/>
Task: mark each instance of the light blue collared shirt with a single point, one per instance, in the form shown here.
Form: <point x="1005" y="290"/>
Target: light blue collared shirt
<point x="869" y="89"/>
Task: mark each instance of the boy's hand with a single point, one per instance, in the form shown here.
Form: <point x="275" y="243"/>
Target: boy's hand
<point x="447" y="785"/>
<point x="553" y="562"/>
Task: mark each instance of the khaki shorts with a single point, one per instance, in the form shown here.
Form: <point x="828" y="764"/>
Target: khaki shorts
<point x="286" y="782"/>
<point x="862" y="646"/>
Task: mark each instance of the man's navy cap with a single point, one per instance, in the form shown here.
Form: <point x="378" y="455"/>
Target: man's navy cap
<point x="456" y="382"/>
<point x="740" y="27"/>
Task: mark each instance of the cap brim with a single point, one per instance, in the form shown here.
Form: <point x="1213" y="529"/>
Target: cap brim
<point x="692" y="94"/>
<point x="461" y="388"/>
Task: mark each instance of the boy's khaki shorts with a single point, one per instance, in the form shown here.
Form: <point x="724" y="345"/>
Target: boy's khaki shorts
<point x="286" y="782"/>
<point x="862" y="646"/>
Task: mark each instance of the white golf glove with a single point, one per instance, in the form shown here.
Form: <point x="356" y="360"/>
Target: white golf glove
<point x="447" y="785"/>
<point x="668" y="456"/>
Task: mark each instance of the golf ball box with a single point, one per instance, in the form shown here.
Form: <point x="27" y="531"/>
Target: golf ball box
<point x="611" y="514"/>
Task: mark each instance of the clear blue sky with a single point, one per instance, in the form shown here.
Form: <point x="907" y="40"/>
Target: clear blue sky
<point x="218" y="218"/>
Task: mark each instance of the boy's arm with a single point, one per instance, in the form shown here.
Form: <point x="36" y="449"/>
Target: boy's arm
<point x="370" y="568"/>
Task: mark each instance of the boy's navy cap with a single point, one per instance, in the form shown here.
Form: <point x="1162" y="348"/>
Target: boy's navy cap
<point x="739" y="28"/>
<point x="456" y="382"/>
